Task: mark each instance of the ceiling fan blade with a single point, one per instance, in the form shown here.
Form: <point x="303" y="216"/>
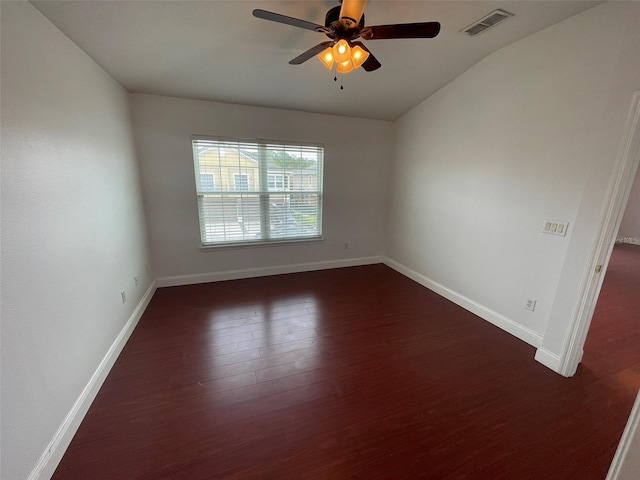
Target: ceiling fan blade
<point x="312" y="52"/>
<point x="402" y="30"/>
<point x="371" y="63"/>
<point x="351" y="12"/>
<point x="296" y="22"/>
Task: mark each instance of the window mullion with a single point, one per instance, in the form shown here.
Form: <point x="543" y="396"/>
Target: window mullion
<point x="265" y="219"/>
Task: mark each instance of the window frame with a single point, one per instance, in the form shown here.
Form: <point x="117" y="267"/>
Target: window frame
<point x="263" y="192"/>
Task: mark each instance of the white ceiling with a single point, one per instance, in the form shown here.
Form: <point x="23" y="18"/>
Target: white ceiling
<point x="216" y="50"/>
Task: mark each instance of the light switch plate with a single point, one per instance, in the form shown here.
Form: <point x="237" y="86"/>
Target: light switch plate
<point x="555" y="227"/>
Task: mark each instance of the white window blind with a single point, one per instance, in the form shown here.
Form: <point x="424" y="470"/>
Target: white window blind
<point x="255" y="192"/>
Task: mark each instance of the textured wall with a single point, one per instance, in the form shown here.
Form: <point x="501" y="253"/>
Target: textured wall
<point x="357" y="153"/>
<point x="73" y="231"/>
<point x="530" y="133"/>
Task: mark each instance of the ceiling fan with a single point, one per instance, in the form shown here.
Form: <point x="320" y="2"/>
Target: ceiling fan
<point x="344" y="24"/>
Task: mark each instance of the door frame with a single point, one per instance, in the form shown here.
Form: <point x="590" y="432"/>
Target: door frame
<point x="625" y="172"/>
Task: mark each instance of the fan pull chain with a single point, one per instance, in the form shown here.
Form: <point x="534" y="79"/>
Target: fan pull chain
<point x="335" y="78"/>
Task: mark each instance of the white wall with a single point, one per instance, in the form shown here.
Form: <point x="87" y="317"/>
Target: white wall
<point x="355" y="168"/>
<point x="629" y="230"/>
<point x="73" y="231"/>
<point x="530" y="133"/>
<point x="527" y="134"/>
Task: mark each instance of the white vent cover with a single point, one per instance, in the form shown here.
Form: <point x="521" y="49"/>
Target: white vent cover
<point x="487" y="22"/>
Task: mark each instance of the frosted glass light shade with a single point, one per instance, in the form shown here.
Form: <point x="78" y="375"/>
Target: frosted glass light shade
<point x="345" y="67"/>
<point x="358" y="56"/>
<point x="326" y="57"/>
<point x="341" y="51"/>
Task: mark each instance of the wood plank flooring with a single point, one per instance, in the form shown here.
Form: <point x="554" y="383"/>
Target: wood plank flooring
<point x="355" y="373"/>
<point x="612" y="349"/>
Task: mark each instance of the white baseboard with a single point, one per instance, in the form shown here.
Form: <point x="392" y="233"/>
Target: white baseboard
<point x="52" y="455"/>
<point x="548" y="359"/>
<point x="628" y="240"/>
<point x="626" y="463"/>
<point x="506" y="324"/>
<point x="174" y="281"/>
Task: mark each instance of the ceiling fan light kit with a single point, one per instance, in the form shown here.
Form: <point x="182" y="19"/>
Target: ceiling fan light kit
<point x="326" y="57"/>
<point x="345" y="67"/>
<point x="344" y="56"/>
<point x="341" y="51"/>
<point x="358" y="56"/>
<point x="344" y="25"/>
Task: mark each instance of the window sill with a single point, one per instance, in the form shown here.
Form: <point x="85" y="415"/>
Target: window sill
<point x="260" y="244"/>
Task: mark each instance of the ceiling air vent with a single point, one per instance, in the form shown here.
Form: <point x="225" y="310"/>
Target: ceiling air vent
<point x="487" y="22"/>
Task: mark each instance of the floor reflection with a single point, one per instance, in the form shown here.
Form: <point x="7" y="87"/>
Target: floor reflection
<point x="273" y="338"/>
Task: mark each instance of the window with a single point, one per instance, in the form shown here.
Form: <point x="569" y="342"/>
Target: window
<point x="207" y="182"/>
<point x="241" y="182"/>
<point x="278" y="182"/>
<point x="257" y="192"/>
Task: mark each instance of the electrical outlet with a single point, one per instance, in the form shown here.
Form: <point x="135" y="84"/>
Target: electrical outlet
<point x="136" y="280"/>
<point x="530" y="304"/>
<point x="124" y="296"/>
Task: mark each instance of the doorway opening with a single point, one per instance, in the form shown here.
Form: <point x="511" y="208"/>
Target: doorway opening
<point x="616" y="207"/>
<point x="611" y="350"/>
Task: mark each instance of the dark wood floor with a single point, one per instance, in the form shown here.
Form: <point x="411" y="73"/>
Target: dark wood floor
<point x="612" y="349"/>
<point x="348" y="373"/>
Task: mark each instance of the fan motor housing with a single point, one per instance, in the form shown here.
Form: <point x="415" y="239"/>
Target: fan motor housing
<point x="332" y="18"/>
